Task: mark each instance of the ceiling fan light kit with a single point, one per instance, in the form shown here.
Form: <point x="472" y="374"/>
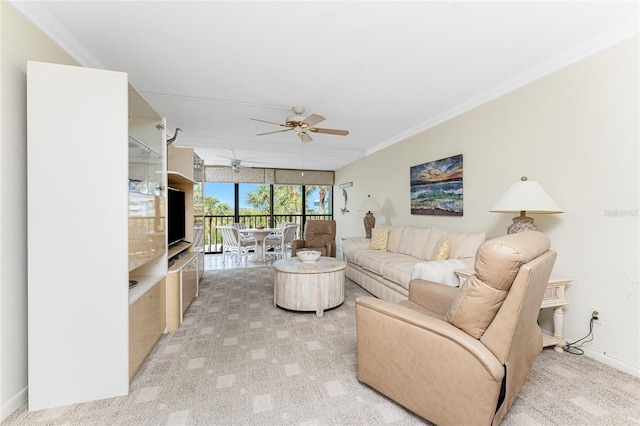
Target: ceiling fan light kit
<point x="302" y="125"/>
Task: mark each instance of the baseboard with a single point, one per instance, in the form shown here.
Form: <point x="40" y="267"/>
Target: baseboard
<point x="7" y="408"/>
<point x="612" y="362"/>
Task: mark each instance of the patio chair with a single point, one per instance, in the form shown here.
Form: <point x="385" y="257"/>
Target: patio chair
<point x="281" y="241"/>
<point x="235" y="244"/>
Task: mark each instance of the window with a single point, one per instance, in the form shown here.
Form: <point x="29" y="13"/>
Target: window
<point x="319" y="200"/>
<point x="287" y="203"/>
<point x="261" y="205"/>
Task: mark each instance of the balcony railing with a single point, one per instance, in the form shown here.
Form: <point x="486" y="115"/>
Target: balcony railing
<point x="213" y="236"/>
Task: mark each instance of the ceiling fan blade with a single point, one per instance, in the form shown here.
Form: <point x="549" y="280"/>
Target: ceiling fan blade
<point x="270" y="122"/>
<point x="304" y="136"/>
<point x="330" y="131"/>
<point x="277" y="131"/>
<point x="313" y="119"/>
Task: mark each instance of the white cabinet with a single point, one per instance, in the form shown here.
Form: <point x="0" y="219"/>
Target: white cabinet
<point x="79" y="265"/>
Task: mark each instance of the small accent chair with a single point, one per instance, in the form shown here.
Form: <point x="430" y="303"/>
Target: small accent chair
<point x="459" y="355"/>
<point x="234" y="244"/>
<point x="318" y="235"/>
<point x="281" y="241"/>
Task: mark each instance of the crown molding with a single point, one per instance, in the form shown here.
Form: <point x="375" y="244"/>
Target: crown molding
<point x="39" y="15"/>
<point x="588" y="47"/>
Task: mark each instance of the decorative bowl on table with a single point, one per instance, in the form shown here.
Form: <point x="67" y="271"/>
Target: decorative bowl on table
<point x="308" y="256"/>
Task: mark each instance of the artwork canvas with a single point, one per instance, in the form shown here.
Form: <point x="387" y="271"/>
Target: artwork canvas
<point x="436" y="187"/>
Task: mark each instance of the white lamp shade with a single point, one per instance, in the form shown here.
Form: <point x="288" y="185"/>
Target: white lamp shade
<point x="525" y="195"/>
<point x="370" y="205"/>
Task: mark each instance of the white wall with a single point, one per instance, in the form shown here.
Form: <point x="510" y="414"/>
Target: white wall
<point x="576" y="132"/>
<point x="20" y="41"/>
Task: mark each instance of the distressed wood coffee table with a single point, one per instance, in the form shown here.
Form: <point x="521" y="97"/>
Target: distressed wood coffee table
<point x="308" y="286"/>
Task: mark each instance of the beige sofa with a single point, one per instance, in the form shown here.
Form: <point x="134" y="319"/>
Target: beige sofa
<point x="408" y="255"/>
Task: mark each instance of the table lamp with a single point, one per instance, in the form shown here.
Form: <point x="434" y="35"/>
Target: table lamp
<point x="525" y="196"/>
<point x="369" y="204"/>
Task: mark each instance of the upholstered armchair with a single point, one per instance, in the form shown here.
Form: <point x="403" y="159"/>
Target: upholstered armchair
<point x="318" y="235"/>
<point x="459" y="356"/>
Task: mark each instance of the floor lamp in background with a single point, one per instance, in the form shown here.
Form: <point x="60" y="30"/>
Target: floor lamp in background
<point x="525" y="196"/>
<point x="369" y="205"/>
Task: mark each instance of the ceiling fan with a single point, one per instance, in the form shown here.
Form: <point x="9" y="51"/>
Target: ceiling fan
<point x="234" y="163"/>
<point x="302" y="125"/>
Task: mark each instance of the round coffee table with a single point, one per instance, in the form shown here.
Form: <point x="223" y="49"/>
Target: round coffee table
<point x="308" y="286"/>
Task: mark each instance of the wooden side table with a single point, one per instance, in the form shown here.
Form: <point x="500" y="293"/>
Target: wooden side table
<point x="553" y="298"/>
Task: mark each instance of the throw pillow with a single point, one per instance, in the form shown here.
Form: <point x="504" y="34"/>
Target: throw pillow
<point x="379" y="239"/>
<point x="441" y="250"/>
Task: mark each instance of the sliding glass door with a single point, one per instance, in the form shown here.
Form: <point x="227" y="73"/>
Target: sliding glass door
<point x="262" y="205"/>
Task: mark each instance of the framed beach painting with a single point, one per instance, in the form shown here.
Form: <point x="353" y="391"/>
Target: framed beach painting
<point x="436" y="187"/>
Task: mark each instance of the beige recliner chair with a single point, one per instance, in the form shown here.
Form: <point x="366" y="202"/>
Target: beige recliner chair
<point x="459" y="356"/>
<point x="318" y="235"/>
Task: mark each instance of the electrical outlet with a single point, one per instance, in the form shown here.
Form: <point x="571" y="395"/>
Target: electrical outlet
<point x="596" y="312"/>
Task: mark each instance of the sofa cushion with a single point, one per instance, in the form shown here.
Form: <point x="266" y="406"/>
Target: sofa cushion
<point x="441" y="250"/>
<point x="463" y="244"/>
<point x="399" y="272"/>
<point x="375" y="260"/>
<point x="355" y="256"/>
<point x="379" y="238"/>
<point x="413" y="241"/>
<point x="395" y="234"/>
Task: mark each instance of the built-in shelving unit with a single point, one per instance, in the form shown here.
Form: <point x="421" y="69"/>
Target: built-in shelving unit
<point x="96" y="217"/>
<point x="186" y="259"/>
<point x="178" y="248"/>
<point x="147" y="230"/>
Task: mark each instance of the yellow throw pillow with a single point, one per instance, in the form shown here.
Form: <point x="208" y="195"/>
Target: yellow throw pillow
<point x="379" y="239"/>
<point x="441" y="250"/>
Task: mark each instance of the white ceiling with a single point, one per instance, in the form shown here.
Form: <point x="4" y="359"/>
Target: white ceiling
<point x="383" y="70"/>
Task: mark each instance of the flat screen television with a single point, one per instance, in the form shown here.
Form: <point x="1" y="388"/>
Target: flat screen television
<point x="175" y="216"/>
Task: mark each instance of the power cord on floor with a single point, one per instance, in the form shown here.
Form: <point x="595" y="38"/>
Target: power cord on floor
<point x="574" y="348"/>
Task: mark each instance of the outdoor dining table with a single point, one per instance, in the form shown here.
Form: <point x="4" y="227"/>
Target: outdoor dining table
<point x="259" y="234"/>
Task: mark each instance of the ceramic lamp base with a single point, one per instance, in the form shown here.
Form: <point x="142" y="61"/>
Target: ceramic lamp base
<point x="369" y="223"/>
<point x="520" y="224"/>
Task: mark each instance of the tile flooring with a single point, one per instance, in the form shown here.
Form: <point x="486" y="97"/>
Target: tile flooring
<point x="214" y="261"/>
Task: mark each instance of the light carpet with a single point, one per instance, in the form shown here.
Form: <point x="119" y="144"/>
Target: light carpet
<point x="237" y="360"/>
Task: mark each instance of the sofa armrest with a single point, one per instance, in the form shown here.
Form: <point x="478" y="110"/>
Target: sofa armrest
<point x="355" y="243"/>
<point x="433" y="296"/>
